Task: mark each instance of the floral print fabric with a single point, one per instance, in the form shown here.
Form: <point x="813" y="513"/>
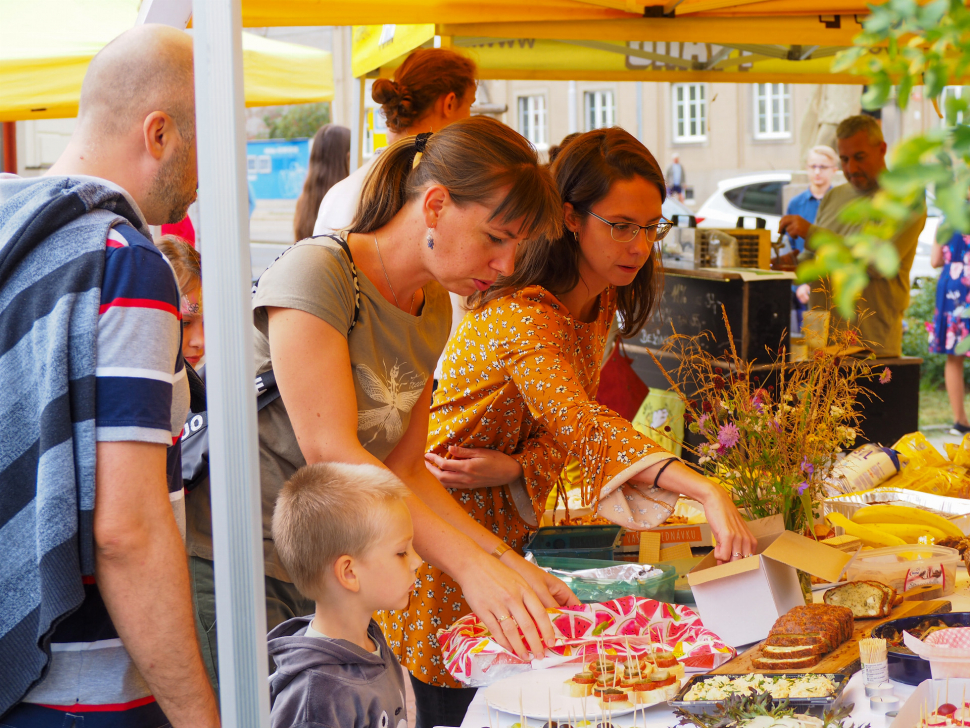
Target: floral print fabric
<point x="519" y="376"/>
<point x="950" y="323"/>
<point x="625" y="627"/>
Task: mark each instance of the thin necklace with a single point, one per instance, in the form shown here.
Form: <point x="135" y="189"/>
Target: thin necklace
<point x="381" y="258"/>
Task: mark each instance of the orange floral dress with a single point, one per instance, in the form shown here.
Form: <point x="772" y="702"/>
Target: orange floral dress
<point x="519" y="376"/>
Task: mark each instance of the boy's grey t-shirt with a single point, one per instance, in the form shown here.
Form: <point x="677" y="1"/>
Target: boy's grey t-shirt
<point x="392" y="353"/>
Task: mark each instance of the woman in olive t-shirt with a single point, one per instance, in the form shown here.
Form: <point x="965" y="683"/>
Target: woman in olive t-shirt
<point x="438" y="213"/>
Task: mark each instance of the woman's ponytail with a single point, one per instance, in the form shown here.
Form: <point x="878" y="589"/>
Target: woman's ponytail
<point x="474" y="159"/>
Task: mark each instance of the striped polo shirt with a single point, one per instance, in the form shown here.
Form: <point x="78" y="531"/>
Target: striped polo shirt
<point x="142" y="396"/>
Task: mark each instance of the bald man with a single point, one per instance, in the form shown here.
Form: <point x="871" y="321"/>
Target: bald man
<point x="127" y="655"/>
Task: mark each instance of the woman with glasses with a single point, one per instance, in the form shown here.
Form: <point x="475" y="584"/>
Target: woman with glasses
<point x="519" y="375"/>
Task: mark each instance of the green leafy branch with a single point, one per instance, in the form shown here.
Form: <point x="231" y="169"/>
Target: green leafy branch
<point x="903" y="44"/>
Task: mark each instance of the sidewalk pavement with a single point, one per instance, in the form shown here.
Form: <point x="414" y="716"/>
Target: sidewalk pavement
<point x="939" y="435"/>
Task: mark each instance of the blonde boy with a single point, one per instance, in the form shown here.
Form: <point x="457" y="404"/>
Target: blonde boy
<point x="343" y="533"/>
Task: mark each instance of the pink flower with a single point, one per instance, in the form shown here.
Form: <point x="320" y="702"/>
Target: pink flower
<point x="708" y="451"/>
<point x="886" y="376"/>
<point x="728" y="435"/>
<point x="702" y="424"/>
<point x="775" y="425"/>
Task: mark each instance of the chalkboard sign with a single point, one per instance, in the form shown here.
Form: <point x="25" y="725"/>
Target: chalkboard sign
<point x="759" y="312"/>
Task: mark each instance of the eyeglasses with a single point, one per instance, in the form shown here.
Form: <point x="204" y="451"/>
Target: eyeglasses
<point x="624" y="232"/>
<point x="819" y="167"/>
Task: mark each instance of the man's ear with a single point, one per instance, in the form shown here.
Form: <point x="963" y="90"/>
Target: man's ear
<point x="159" y="133"/>
<point x="344" y="572"/>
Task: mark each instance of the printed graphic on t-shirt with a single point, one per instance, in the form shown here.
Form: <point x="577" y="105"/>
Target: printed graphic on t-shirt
<point x="397" y="391"/>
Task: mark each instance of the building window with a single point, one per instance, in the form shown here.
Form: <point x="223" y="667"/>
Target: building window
<point x="690" y="112"/>
<point x="954" y="92"/>
<point x="600" y="109"/>
<point x="532" y="120"/>
<point x="772" y="111"/>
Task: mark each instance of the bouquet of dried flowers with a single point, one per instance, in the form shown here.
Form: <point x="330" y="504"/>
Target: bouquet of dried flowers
<point x="772" y="433"/>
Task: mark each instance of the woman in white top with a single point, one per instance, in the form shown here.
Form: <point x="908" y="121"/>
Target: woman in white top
<point x="434" y="87"/>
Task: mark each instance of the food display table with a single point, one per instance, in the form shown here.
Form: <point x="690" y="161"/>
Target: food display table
<point x="661" y="716"/>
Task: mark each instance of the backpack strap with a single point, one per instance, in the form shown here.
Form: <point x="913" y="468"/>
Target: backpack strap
<point x="266" y="389"/>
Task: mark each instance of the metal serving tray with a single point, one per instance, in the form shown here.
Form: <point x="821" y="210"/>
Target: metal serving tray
<point x="815" y="706"/>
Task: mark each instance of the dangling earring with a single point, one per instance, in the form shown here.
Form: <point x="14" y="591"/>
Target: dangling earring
<point x="431" y="238"/>
<point x="576" y="235"/>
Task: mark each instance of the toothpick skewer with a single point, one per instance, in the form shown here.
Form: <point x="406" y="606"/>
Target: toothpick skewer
<point x="488" y="712"/>
<point x="550" y="707"/>
<point x="522" y="722"/>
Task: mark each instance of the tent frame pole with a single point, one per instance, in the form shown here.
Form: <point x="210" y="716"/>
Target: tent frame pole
<point x="230" y="367"/>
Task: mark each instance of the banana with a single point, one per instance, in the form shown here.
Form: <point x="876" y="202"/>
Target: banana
<point x="910" y="533"/>
<point x="906" y="515"/>
<point x="869" y="536"/>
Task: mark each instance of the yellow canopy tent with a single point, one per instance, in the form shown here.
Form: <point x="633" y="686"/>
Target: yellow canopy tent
<point x="260" y="13"/>
<point x="690" y="48"/>
<point x="46" y="45"/>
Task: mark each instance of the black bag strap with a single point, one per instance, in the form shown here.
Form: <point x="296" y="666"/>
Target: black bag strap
<point x="266" y="389"/>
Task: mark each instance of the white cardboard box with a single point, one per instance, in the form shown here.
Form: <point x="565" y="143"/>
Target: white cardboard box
<point x="740" y="600"/>
<point x="929" y="695"/>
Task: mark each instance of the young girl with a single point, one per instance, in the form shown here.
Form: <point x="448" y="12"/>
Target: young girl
<point x="188" y="271"/>
<point x="518" y="379"/>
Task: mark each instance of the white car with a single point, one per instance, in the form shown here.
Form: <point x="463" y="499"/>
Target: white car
<point x="760" y="195"/>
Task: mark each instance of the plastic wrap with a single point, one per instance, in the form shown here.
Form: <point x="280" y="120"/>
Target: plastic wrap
<point x="474" y="658"/>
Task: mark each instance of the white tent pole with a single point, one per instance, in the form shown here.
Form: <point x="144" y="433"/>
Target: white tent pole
<point x="230" y="369"/>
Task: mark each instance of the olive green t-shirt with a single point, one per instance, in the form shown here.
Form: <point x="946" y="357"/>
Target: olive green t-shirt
<point x="884" y="299"/>
<point x="393" y="354"/>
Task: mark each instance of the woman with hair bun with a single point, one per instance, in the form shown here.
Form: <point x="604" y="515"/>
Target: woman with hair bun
<point x="433" y="88"/>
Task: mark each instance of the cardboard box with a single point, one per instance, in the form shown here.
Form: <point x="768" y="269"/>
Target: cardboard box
<point x="741" y="600"/>
<point x="929" y="695"/>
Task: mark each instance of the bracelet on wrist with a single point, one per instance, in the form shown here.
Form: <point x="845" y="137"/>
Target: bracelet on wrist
<point x="667" y="464"/>
<point x="500" y="550"/>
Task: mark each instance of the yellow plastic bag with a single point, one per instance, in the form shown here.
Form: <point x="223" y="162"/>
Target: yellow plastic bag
<point x="959" y="454"/>
<point x="662" y="409"/>
<point x="918" y="450"/>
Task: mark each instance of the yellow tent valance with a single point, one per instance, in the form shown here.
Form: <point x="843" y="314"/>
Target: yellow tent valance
<point x="46" y="46"/>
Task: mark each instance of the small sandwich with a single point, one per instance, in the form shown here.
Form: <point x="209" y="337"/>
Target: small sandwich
<point x="636" y="668"/>
<point x="663" y="686"/>
<point x="613" y="699"/>
<point x="605" y="666"/>
<point x="666" y="661"/>
<point x="579" y="685"/>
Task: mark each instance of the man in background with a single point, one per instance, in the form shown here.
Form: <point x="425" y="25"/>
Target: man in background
<point x="862" y="153"/>
<point x="822" y="163"/>
<point x="676" y="177"/>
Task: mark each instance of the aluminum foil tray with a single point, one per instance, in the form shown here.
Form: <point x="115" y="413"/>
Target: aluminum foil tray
<point x="955" y="509"/>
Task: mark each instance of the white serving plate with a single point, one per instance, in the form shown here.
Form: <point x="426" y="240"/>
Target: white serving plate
<point x="536" y="687"/>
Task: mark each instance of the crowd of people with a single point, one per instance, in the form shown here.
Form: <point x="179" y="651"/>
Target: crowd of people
<point x="406" y="448"/>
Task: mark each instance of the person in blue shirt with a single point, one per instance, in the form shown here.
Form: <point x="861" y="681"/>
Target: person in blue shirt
<point x="822" y="164"/>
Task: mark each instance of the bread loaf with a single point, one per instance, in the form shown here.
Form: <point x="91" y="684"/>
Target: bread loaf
<point x="801" y="637"/>
<point x="866" y="599"/>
